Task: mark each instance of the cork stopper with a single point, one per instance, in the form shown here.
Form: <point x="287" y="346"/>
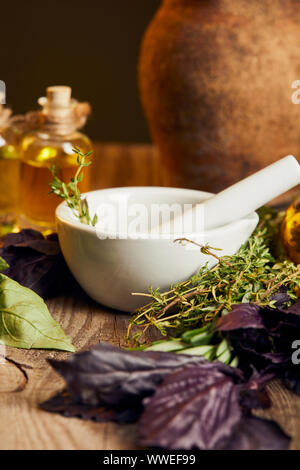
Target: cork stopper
<point x="58" y="102"/>
<point x="59" y="96"/>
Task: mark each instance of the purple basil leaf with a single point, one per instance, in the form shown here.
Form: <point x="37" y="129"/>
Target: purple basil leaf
<point x="281" y="297"/>
<point x="252" y="350"/>
<point x="111" y="375"/>
<point x="291" y="378"/>
<point x="37" y="263"/>
<point x="277" y="357"/>
<point x="251" y="340"/>
<point x="63" y="404"/>
<point x="255" y="399"/>
<point x="13" y="239"/>
<point x="196" y="403"/>
<point x="257" y="434"/>
<point x="45" y="247"/>
<point x="274" y="319"/>
<point x="193" y="408"/>
<point x="29" y="238"/>
<point x="241" y="316"/>
<point x="259" y="379"/>
<point x="262" y="336"/>
<point x="295" y="308"/>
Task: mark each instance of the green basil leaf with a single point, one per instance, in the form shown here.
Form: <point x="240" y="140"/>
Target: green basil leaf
<point x="3" y="264"/>
<point x="25" y="321"/>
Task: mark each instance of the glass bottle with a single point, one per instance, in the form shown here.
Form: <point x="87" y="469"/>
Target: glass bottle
<point x="51" y="144"/>
<point x="9" y="173"/>
<point x="290" y="231"/>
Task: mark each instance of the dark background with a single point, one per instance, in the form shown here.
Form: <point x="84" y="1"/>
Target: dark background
<point x="91" y="45"/>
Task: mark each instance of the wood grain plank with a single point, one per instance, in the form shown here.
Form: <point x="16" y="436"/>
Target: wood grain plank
<point x="125" y="165"/>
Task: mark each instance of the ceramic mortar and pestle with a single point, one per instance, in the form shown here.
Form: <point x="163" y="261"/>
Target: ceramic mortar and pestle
<point x="111" y="265"/>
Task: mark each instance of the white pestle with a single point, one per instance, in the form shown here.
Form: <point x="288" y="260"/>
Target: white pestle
<point x="247" y="195"/>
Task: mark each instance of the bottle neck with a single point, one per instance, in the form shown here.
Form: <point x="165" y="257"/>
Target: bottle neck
<point x="66" y="123"/>
<point x="60" y="127"/>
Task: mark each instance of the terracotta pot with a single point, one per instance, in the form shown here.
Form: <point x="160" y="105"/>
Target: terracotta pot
<point x="216" y="85"/>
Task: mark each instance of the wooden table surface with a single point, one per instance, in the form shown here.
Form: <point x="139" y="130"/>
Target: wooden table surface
<point x="26" y="379"/>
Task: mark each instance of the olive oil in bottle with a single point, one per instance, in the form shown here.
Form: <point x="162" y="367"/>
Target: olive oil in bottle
<point x="9" y="173"/>
<point x="51" y="144"/>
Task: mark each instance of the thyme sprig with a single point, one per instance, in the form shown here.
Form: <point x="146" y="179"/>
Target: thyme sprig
<point x="70" y="191"/>
<point x="253" y="274"/>
<point x="205" y="249"/>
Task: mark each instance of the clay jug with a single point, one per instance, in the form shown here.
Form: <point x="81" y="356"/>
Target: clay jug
<point x="216" y="80"/>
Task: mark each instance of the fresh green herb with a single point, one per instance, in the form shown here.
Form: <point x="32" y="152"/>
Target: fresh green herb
<point x="204" y="341"/>
<point x="205" y="249"/>
<point x="3" y="264"/>
<point x="25" y="321"/>
<point x="251" y="275"/>
<point x="70" y="191"/>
